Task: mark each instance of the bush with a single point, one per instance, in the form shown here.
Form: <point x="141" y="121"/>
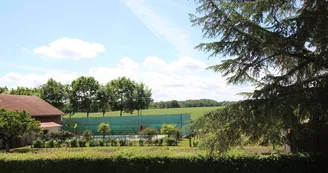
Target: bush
<point x="107" y="142"/>
<point x="62" y="135"/>
<point x="49" y="144"/>
<point x="170" y="142"/>
<point x="93" y="143"/>
<point x="149" y="133"/>
<point x="101" y="143"/>
<point x="141" y="142"/>
<point x="72" y="142"/>
<point x="156" y="142"/>
<point x="57" y="143"/>
<point x="124" y="164"/>
<point x="194" y="143"/>
<point x="87" y="135"/>
<point x="161" y="141"/>
<point x="82" y="142"/>
<point x="113" y="142"/>
<point x="130" y="143"/>
<point x="37" y="143"/>
<point x="122" y="142"/>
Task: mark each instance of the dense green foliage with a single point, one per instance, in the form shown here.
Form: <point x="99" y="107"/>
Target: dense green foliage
<point x="25" y="91"/>
<point x="149" y="133"/>
<point x="104" y="128"/>
<point x="54" y="93"/>
<point x="87" y="134"/>
<point x="169" y="129"/>
<point x="3" y="90"/>
<point x="281" y="47"/>
<point x="124" y="163"/>
<point x="84" y="93"/>
<point x="188" y="103"/>
<point x="121" y="93"/>
<point x="16" y="124"/>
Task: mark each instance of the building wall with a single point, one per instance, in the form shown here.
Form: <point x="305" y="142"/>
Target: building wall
<point x="56" y="119"/>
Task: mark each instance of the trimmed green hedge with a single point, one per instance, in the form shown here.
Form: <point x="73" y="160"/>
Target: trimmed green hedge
<point x="258" y="164"/>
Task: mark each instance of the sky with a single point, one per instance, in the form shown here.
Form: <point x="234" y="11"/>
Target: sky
<point x="148" y="41"/>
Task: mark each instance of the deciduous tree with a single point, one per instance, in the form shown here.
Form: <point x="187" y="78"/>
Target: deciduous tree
<point x="84" y="93"/>
<point x="121" y="92"/>
<point x="16" y="124"/>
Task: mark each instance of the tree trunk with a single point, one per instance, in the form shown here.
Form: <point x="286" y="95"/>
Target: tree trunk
<point x="190" y="142"/>
<point x="87" y="114"/>
<point x="138" y="112"/>
<point x="103" y="114"/>
<point x="121" y="112"/>
<point x="103" y="136"/>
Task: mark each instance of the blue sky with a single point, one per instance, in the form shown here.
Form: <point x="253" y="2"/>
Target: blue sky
<point x="148" y="41"/>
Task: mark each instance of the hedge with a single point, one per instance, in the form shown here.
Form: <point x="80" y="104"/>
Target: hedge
<point x="259" y="164"/>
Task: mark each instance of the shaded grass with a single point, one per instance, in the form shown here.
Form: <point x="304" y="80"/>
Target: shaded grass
<point x="194" y="112"/>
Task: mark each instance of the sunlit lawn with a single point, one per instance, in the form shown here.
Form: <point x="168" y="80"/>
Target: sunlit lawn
<point x="194" y="112"/>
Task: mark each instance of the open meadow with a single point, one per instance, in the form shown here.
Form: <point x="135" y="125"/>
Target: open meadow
<point x="194" y="112"/>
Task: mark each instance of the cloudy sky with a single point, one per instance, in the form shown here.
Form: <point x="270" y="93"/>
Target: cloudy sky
<point x="145" y="40"/>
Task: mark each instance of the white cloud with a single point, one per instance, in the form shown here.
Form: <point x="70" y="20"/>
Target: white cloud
<point x="127" y="67"/>
<point x="164" y="29"/>
<point x="70" y="48"/>
<point x="184" y="64"/>
<point x="12" y="80"/>
<point x="168" y="80"/>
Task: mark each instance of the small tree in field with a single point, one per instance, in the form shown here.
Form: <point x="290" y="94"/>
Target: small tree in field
<point x="103" y="128"/>
<point x="16" y="124"/>
<point x="168" y="129"/>
<point x="87" y="135"/>
<point x="149" y="133"/>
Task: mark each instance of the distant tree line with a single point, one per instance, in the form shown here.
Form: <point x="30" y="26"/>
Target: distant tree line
<point x="85" y="94"/>
<point x="188" y="103"/>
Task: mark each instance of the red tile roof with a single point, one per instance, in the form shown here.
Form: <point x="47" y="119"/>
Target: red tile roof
<point x="49" y="124"/>
<point x="34" y="105"/>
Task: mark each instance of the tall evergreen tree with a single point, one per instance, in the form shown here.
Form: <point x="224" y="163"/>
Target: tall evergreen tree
<point x="281" y="47"/>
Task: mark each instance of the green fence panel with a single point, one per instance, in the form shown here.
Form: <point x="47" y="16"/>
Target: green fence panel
<point x="128" y="124"/>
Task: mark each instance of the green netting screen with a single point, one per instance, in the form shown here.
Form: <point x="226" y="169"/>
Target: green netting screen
<point x="128" y="124"/>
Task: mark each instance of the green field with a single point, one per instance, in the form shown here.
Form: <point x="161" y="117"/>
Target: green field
<point x="194" y="112"/>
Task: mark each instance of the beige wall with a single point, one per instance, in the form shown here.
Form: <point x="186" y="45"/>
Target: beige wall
<point x="52" y="129"/>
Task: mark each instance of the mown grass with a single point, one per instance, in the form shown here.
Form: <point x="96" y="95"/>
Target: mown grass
<point x="194" y="112"/>
<point x="27" y="153"/>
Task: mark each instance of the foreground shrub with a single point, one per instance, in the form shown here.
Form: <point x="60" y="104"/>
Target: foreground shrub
<point x="73" y="142"/>
<point x="37" y="143"/>
<point x="122" y="142"/>
<point x="194" y="143"/>
<point x="101" y="143"/>
<point x="161" y="141"/>
<point x="170" y="142"/>
<point x="49" y="144"/>
<point x="82" y="142"/>
<point x="87" y="135"/>
<point x="124" y="163"/>
<point x="141" y="142"/>
<point x="149" y="133"/>
<point x="113" y="142"/>
<point x="131" y="143"/>
<point x="57" y="143"/>
<point x="93" y="143"/>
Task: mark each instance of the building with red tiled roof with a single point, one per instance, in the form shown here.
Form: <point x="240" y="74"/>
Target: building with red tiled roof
<point x="49" y="116"/>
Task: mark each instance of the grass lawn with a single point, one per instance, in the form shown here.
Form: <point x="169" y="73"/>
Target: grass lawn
<point x="194" y="112"/>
